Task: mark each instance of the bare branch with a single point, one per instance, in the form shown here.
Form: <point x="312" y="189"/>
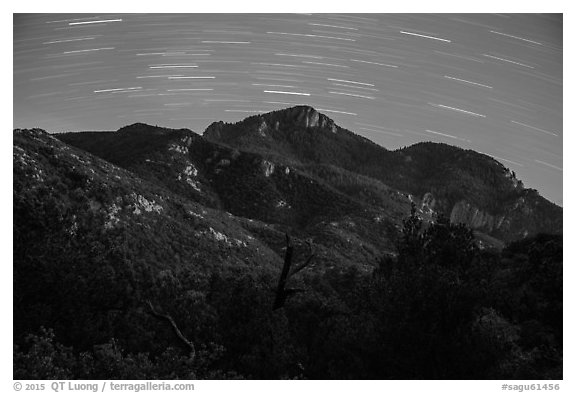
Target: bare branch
<point x="305" y="263"/>
<point x="301" y="266"/>
<point x="175" y="328"/>
<point x="280" y="292"/>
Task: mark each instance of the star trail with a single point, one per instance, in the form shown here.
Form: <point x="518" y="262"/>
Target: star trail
<point x="487" y="82"/>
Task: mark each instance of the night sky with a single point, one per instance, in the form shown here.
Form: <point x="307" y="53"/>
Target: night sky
<point x="492" y="83"/>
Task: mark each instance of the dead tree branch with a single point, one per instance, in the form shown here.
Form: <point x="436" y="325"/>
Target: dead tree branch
<point x="281" y="292"/>
<point x="305" y="263"/>
<point x="168" y="318"/>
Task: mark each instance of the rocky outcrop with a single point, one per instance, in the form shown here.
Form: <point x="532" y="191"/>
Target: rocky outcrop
<point x="465" y="213"/>
<point x="305" y="116"/>
<point x="511" y="175"/>
<point x="521" y="217"/>
<point x="267" y="125"/>
<point x="428" y="203"/>
<point x="268" y="168"/>
<point x="308" y="117"/>
<point x="214" y="131"/>
<point x="262" y="128"/>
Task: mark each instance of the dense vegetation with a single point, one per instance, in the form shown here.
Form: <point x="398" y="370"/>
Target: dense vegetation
<point x="441" y="309"/>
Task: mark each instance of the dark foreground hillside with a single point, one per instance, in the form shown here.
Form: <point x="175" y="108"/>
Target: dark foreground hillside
<point x="440" y="310"/>
<point x="164" y="263"/>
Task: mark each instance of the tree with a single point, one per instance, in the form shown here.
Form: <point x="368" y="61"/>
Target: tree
<point x="281" y="292"/>
<point x="426" y="304"/>
<point x="441" y="243"/>
<point x="410" y="243"/>
<point x="449" y="245"/>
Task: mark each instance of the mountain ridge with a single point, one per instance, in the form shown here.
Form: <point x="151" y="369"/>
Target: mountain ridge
<point x="452" y="175"/>
<point x="464" y="185"/>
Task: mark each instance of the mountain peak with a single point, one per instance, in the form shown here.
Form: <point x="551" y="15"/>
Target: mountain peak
<point x="301" y="116"/>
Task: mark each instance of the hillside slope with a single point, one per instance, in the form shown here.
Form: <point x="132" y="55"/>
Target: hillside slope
<point x="351" y="219"/>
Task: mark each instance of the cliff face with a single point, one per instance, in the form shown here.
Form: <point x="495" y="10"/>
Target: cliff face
<point x="214" y="131"/>
<point x="307" y="117"/>
<point x="525" y="216"/>
<point x="270" y="125"/>
<point x="465" y="213"/>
